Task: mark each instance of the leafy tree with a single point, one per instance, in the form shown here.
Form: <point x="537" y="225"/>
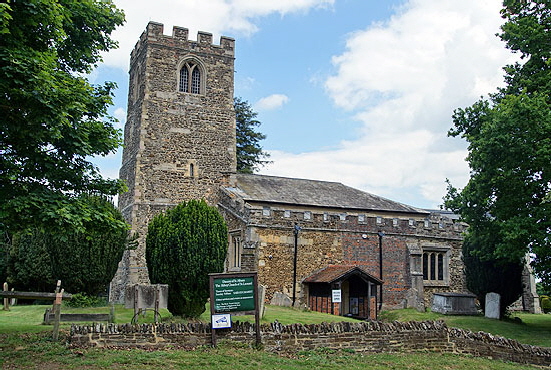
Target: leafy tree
<point x="85" y="262"/>
<point x="184" y="245"/>
<point x="507" y="201"/>
<point x="249" y="152"/>
<point x="53" y="119"/>
<point x="4" y="249"/>
<point x="542" y="290"/>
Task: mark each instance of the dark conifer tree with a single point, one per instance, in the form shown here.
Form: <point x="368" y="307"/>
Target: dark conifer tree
<point x="183" y="246"/>
<point x="249" y="152"/>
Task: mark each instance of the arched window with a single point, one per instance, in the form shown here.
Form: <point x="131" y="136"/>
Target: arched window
<point x="435" y="266"/>
<point x="190" y="78"/>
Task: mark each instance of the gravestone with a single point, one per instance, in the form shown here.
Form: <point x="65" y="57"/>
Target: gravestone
<point x="493" y="301"/>
<point x="281" y="299"/>
<point x="146" y="296"/>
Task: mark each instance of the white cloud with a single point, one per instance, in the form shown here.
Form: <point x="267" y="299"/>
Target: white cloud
<point x="234" y="17"/>
<point x="120" y="114"/>
<point x="402" y="79"/>
<point x="271" y="102"/>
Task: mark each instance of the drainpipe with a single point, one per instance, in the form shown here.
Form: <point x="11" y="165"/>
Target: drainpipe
<point x="295" y="231"/>
<point x="381" y="234"/>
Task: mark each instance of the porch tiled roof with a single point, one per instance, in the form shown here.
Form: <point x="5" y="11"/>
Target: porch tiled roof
<point x="333" y="273"/>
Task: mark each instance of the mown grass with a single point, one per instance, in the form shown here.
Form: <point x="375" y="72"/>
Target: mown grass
<point x="285" y="316"/>
<point x="26" y="344"/>
<point x="526" y="328"/>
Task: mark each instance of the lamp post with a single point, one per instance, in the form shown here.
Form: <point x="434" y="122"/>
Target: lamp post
<point x="381" y="234"/>
<point x="296" y="229"/>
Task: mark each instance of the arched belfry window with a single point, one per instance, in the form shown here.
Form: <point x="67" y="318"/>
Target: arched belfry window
<point x="190" y="77"/>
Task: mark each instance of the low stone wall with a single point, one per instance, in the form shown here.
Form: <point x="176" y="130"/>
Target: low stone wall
<point x="370" y="337"/>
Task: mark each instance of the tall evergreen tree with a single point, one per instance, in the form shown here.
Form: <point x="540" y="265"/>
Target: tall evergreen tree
<point x="507" y="201"/>
<point x="184" y="245"/>
<point x="249" y="152"/>
<point x="53" y="119"/>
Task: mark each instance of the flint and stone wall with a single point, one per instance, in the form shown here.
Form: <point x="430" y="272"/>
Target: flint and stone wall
<point x="332" y="237"/>
<point x="367" y="337"/>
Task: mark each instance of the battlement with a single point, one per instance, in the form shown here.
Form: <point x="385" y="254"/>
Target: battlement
<point x="154" y="33"/>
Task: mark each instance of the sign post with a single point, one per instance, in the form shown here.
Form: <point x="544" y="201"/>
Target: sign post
<point x="233" y="293"/>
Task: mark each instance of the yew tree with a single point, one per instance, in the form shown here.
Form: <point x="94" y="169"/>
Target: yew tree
<point x="53" y="119"/>
<point x="183" y="245"/>
<point x="507" y="201"/>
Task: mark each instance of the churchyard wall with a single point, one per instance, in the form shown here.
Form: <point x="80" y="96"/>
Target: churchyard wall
<point x="365" y="337"/>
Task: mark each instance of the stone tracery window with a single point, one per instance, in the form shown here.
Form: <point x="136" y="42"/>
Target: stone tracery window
<point x="435" y="267"/>
<point x="190" y="78"/>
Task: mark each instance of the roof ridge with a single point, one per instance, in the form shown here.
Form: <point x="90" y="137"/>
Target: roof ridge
<point x="320" y="193"/>
<point x="294" y="178"/>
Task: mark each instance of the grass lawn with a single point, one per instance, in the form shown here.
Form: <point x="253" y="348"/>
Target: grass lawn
<point x="36" y="351"/>
<point x="526" y="328"/>
<point x="26" y="344"/>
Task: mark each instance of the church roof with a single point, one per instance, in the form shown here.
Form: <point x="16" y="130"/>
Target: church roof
<point x="285" y="190"/>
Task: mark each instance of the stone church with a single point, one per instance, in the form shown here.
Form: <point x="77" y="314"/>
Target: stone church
<point x="180" y="145"/>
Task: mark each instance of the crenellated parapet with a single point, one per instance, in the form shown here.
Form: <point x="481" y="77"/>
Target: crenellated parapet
<point x="154" y="33"/>
<point x="432" y="224"/>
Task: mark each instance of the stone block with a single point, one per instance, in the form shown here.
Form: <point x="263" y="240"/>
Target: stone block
<point x="454" y="303"/>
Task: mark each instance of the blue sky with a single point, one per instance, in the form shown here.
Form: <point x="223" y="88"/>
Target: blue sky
<point x="355" y="91"/>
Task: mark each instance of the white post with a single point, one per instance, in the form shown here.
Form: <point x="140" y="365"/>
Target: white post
<point x="6" y="299"/>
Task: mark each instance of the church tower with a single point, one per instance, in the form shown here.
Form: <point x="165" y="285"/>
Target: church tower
<point x="179" y="135"/>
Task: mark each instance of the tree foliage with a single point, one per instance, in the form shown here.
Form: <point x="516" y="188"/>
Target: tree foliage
<point x="85" y="261"/>
<point x="53" y="119"/>
<point x="249" y="152"/>
<point x="492" y="275"/>
<point x="507" y="201"/>
<point x="184" y="245"/>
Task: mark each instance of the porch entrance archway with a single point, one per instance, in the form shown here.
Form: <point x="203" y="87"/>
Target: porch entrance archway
<point x="358" y="291"/>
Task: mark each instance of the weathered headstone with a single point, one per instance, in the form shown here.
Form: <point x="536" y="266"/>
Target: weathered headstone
<point x="146" y="296"/>
<point x="281" y="299"/>
<point x="143" y="297"/>
<point x="493" y="301"/>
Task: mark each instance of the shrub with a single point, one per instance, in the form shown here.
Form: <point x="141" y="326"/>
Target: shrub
<point x="545" y="303"/>
<point x="184" y="245"/>
<point x="85" y="262"/>
<point x="83" y="300"/>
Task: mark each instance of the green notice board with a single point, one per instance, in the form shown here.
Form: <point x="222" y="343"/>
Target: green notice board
<point x="234" y="294"/>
